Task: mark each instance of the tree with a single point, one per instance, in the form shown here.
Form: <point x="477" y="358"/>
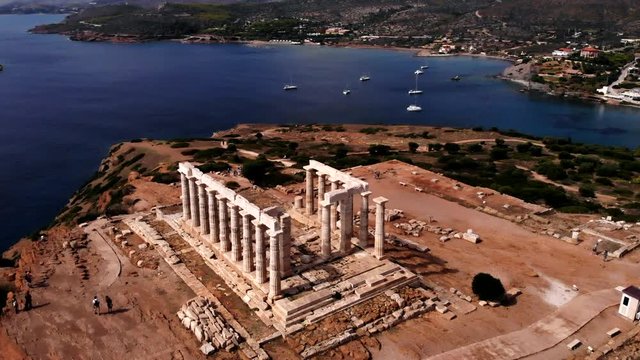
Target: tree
<point x="587" y="191"/>
<point x="413" y="147"/>
<point x="486" y="287"/>
<point x="258" y="170"/>
<point x="379" y="150"/>
<point x="498" y="153"/>
<point x="259" y="136"/>
<point x="452" y="148"/>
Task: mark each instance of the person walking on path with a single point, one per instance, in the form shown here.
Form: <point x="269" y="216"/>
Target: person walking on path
<point x="96" y="305"/>
<point x="28" y="278"/>
<point x="14" y="303"/>
<point x="604" y="255"/>
<point x="27" y="301"/>
<point x="109" y="302"/>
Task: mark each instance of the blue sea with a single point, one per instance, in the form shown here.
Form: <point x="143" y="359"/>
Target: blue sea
<point x="63" y="103"/>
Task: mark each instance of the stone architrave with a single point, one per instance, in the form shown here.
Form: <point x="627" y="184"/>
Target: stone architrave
<point x="261" y="253"/>
<point x="213" y="217"/>
<point x="379" y="234"/>
<point x="363" y="238"/>
<point x="309" y="193"/>
<point x="321" y="189"/>
<point x="345" y="239"/>
<point x="204" y="209"/>
<point x="195" y="206"/>
<point x="186" y="202"/>
<point x="325" y="230"/>
<point x="236" y="247"/>
<point x="335" y="184"/>
<point x="223" y="221"/>
<point x="285" y="245"/>
<point x="274" y="264"/>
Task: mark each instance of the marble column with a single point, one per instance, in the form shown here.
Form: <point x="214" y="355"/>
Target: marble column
<point x="334" y="207"/>
<point x="363" y="238"/>
<point x="204" y="209"/>
<point x="236" y="247"/>
<point x="348" y="214"/>
<point x="285" y="245"/>
<point x="274" y="264"/>
<point x="223" y="222"/>
<point x="261" y="253"/>
<point x="309" y="192"/>
<point x="345" y="238"/>
<point x="247" y="254"/>
<point x="321" y="189"/>
<point x="186" y="202"/>
<point x="195" y="206"/>
<point x="325" y="230"/>
<point x="213" y="217"/>
<point x="379" y="234"/>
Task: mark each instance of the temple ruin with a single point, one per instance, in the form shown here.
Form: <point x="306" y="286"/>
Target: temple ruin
<point x="241" y="241"/>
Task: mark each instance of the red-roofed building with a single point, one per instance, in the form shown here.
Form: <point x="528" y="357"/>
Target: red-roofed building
<point x="589" y="52"/>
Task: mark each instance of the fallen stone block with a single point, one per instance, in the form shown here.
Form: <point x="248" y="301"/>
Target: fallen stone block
<point x="450" y="316"/>
<point x="441" y="309"/>
<point x="207" y="349"/>
<point x="574" y="344"/>
<point x="613" y="332"/>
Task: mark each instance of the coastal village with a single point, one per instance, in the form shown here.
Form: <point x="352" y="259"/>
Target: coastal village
<point x="367" y="252"/>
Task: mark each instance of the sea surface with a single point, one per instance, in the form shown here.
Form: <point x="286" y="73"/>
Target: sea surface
<point x="63" y="103"/>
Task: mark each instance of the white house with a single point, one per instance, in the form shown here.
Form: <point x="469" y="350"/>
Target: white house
<point x="562" y="52"/>
<point x="630" y="302"/>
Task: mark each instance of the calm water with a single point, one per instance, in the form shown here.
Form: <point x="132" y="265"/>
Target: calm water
<point x="63" y="103"/>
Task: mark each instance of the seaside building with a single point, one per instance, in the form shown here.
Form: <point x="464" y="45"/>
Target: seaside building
<point x="589" y="52"/>
<point x="562" y="52"/>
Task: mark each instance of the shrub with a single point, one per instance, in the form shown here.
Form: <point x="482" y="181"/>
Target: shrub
<point x="258" y="171"/>
<point x="180" y="145"/>
<point x="166" y="178"/>
<point x="498" y="153"/>
<point x="451" y="148"/>
<point x="604" y="181"/>
<point x="474" y="148"/>
<point x="214" y="166"/>
<point x="523" y="148"/>
<point x="413" y="147"/>
<point x="377" y="149"/>
<point x="232" y="185"/>
<point x="587" y="191"/>
<point x="486" y="287"/>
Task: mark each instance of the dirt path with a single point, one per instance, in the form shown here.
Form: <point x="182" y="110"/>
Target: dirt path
<point x="542" y="334"/>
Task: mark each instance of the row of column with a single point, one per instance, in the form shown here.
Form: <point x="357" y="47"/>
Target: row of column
<point x="328" y="215"/>
<point x="233" y="231"/>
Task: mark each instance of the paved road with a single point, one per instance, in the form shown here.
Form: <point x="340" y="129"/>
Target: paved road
<point x="541" y="335"/>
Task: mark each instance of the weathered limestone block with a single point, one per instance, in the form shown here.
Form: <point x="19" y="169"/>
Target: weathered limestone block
<point x="207" y="349"/>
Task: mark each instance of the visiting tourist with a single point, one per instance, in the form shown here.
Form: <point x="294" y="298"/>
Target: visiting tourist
<point x="96" y="305"/>
<point x="27" y="301"/>
<point x="594" y="249"/>
<point x="109" y="302"/>
<point x="14" y="303"/>
<point x="604" y="255"/>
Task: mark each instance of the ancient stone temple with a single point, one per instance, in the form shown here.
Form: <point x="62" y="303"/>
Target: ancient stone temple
<point x="264" y="253"/>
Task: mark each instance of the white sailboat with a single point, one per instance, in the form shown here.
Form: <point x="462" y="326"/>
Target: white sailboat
<point x="418" y="72"/>
<point x="415" y="90"/>
<point x="365" y="78"/>
<point x="423" y="67"/>
<point x="290" y="85"/>
<point x="346" y="92"/>
<point x="414" y="108"/>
